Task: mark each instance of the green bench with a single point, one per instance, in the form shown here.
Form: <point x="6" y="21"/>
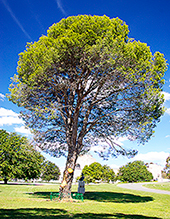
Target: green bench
<point x="77" y="196"/>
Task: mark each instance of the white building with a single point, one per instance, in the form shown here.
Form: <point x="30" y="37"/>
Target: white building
<point x="156" y="171"/>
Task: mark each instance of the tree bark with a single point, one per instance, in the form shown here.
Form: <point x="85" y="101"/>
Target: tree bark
<point x="65" y="187"/>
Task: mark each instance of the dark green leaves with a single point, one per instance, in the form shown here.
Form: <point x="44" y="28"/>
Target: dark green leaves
<point x="86" y="82"/>
<point x="134" y="172"/>
<point x="18" y="159"/>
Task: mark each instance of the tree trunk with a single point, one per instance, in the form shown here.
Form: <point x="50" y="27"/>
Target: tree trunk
<point x="65" y="187"/>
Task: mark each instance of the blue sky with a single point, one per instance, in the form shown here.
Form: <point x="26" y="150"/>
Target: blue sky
<point x="25" y="21"/>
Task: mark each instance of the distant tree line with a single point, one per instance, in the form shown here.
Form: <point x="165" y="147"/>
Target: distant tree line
<point x="20" y="160"/>
<point x="132" y="172"/>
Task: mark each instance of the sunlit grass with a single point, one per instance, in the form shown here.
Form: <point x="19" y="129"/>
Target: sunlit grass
<point x="161" y="186"/>
<point x="100" y="201"/>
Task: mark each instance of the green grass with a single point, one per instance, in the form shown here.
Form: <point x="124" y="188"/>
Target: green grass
<point x="100" y="201"/>
<point x="161" y="186"/>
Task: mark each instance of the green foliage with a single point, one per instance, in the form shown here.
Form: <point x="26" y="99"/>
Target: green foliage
<point x="134" y="172"/>
<point x="166" y="171"/>
<point x="50" y="171"/>
<point x="96" y="172"/>
<point x="89" y="79"/>
<point x="108" y="174"/>
<point x="18" y="159"/>
<point x="86" y="81"/>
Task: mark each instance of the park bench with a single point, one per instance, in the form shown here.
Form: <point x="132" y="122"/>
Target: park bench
<point x="77" y="196"/>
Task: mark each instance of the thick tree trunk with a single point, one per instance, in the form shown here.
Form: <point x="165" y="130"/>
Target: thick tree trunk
<point x="65" y="187"/>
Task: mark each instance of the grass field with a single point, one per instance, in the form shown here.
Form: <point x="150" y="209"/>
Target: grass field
<point x="161" y="186"/>
<point x="100" y="201"/>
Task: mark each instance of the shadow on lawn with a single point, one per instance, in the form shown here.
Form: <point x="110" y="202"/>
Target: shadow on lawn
<point x="43" y="213"/>
<point x="105" y="197"/>
<point x="116" y="197"/>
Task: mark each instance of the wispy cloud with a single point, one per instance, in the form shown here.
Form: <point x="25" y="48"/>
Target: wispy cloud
<point x="61" y="7"/>
<point x="35" y="15"/>
<point x="167" y="136"/>
<point x="2" y="97"/>
<point x="15" y="19"/>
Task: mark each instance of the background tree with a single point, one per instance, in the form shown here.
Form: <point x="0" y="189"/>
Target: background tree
<point x="18" y="159"/>
<point x="96" y="172"/>
<point x="84" y="82"/>
<point x="29" y="164"/>
<point x="166" y="171"/>
<point x="134" y="172"/>
<point x="50" y="171"/>
<point x="108" y="174"/>
<point x="93" y="172"/>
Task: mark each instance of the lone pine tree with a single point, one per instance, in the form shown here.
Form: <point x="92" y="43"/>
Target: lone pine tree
<point x="87" y="81"/>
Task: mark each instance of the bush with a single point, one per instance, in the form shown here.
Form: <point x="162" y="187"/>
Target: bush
<point x="95" y="172"/>
<point x="134" y="172"/>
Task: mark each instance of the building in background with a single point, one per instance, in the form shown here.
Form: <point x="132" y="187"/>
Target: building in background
<point x="156" y="170"/>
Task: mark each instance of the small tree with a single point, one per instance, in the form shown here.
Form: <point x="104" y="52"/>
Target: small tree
<point x="107" y="174"/>
<point x="134" y="172"/>
<point x="18" y="159"/>
<point x="96" y="172"/>
<point x="50" y="171"/>
<point x="92" y="172"/>
<point x="30" y="163"/>
<point x="166" y="171"/>
<point x="87" y="81"/>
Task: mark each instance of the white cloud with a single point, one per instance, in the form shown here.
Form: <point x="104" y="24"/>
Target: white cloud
<point x="168" y="111"/>
<point x="9" y="117"/>
<point x="9" y="120"/>
<point x="7" y="112"/>
<point x="166" y="96"/>
<point x="167" y="136"/>
<point x="121" y="140"/>
<point x="23" y="130"/>
<point x="2" y="97"/>
<point x="155" y="157"/>
<point x="102" y="146"/>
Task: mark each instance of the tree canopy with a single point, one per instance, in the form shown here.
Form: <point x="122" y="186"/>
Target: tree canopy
<point x="50" y="171"/>
<point x="87" y="81"/>
<point x="134" y="172"/>
<point x="96" y="172"/>
<point x="18" y="159"/>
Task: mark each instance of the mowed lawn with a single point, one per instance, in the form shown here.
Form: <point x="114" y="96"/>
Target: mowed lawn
<point x="161" y="186"/>
<point x="100" y="201"/>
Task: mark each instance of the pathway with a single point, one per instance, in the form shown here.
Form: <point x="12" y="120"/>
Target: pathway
<point x="139" y="186"/>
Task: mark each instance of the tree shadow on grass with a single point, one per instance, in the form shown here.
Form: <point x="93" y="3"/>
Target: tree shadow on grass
<point x="104" y="197"/>
<point x="44" y="213"/>
<point x="116" y="197"/>
<point x="45" y="195"/>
